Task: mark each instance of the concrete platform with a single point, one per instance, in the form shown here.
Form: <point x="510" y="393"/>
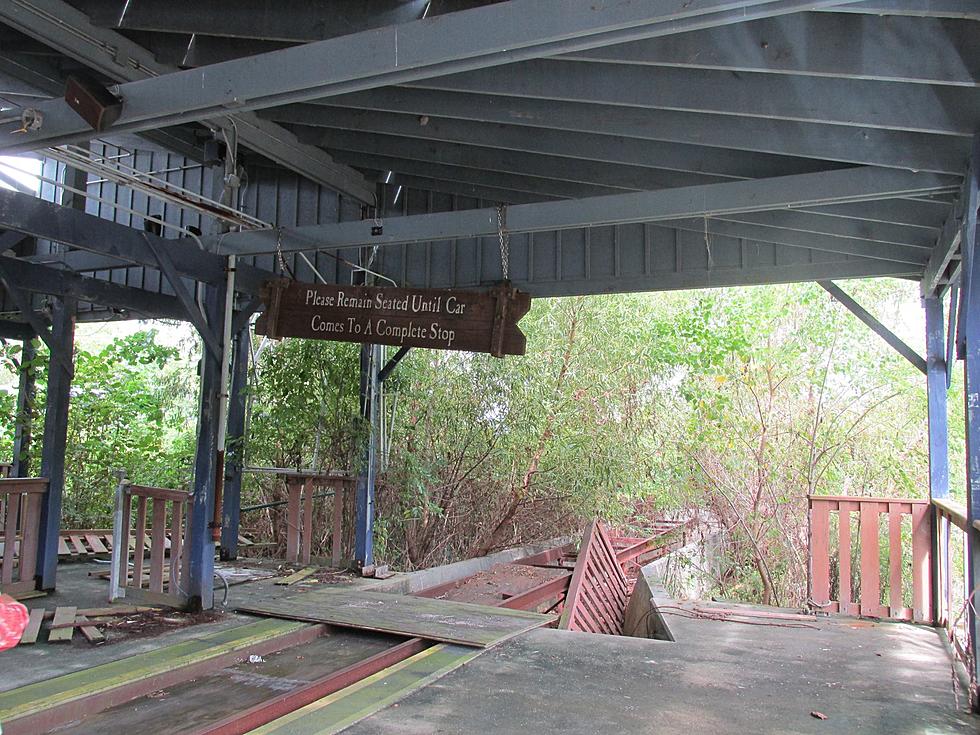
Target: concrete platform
<point x="718" y="677"/>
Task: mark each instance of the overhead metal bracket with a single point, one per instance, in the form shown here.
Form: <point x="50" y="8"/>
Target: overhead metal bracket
<point x="392" y="364"/>
<point x="877" y="327"/>
<point x="167" y="267"/>
<point x="22" y="300"/>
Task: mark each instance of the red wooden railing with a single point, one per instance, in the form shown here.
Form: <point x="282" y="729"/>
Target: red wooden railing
<point x="951" y="579"/>
<point x="166" y="533"/>
<point x="301" y="491"/>
<point x="831" y="553"/>
<point x="20" y="514"/>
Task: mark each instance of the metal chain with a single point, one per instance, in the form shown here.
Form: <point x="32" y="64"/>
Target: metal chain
<point x="281" y="259"/>
<point x="504" y="241"/>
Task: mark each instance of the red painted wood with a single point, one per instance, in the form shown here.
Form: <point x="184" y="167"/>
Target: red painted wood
<point x="292" y="521"/>
<point x="895" y="560"/>
<point x="338" y="519"/>
<point x="11" y="504"/>
<point x="140" y="539"/>
<point x="844" y="557"/>
<point x="30" y="529"/>
<point x="176" y="546"/>
<point x="921" y="564"/>
<point x="158" y="534"/>
<point x="596" y="600"/>
<point x="127" y="510"/>
<point x="870" y="561"/>
<point x="819" y="551"/>
<point x="307" y="511"/>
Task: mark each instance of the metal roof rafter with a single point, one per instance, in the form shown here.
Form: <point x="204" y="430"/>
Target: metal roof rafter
<point x="473" y="39"/>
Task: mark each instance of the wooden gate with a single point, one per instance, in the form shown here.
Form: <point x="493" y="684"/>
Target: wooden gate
<point x="597" y="595"/>
<point x="128" y="578"/>
<point x="881" y="527"/>
<point x="20" y="514"/>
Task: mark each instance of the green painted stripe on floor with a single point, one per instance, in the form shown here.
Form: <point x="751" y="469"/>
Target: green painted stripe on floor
<point x="342" y="709"/>
<point x="43" y="694"/>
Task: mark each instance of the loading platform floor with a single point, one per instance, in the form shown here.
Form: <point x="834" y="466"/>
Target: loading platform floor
<point x="768" y="675"/>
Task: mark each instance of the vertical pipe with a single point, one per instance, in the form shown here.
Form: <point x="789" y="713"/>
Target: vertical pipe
<point x="25" y="411"/>
<point x="971" y="390"/>
<point x="55" y="439"/>
<point x="235" y="457"/>
<point x="199" y="550"/>
<point x="936" y="372"/>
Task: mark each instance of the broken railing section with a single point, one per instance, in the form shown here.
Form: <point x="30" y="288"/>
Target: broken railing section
<point x="166" y="530"/>
<point x="20" y="516"/>
<point x="952" y="597"/>
<point x="847" y="535"/>
<point x="590" y="585"/>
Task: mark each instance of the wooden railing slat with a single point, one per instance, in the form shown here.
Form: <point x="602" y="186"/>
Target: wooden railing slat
<point x="10" y="538"/>
<point x="820" y="553"/>
<point x="921" y="564"/>
<point x="31" y="524"/>
<point x="138" y="547"/>
<point x="870" y="561"/>
<point x="176" y="544"/>
<point x="158" y="534"/>
<point x="895" y="559"/>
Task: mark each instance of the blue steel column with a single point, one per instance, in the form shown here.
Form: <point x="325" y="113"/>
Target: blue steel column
<point x="55" y="440"/>
<point x="25" y="412"/>
<point x="971" y="373"/>
<point x="364" y="520"/>
<point x="938" y="435"/>
<point x="235" y="447"/>
<point x="200" y="545"/>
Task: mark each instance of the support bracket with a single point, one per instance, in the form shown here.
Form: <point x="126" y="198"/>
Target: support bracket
<point x="22" y="300"/>
<point x="392" y="364"/>
<point x="211" y="341"/>
<point x="877" y="327"/>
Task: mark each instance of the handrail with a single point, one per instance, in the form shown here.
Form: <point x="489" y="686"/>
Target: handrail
<point x="23" y="485"/>
<point x="865" y="499"/>
<point x="956" y="512"/>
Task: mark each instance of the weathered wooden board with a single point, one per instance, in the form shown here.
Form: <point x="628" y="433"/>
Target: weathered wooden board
<point x="30" y="633"/>
<point x="445" y="319"/>
<point x="437" y="620"/>
<point x="62" y="615"/>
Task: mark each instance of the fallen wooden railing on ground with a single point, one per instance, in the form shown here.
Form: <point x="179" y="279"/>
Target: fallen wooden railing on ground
<point x="20" y="513"/>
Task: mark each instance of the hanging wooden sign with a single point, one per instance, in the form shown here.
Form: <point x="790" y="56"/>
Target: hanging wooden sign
<point x="442" y="319"/>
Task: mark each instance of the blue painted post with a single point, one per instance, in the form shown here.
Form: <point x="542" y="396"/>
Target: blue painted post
<point x="199" y="546"/>
<point x="55" y="439"/>
<point x="371" y="356"/>
<point x="936" y="387"/>
<point x="971" y="390"/>
<point x="25" y="411"/>
<point x="235" y="447"/>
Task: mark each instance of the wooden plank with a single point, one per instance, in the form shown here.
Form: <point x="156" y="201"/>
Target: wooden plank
<point x="29" y="635"/>
<point x="62" y="698"/>
<point x="921" y="564"/>
<point x="30" y="528"/>
<point x="9" y="532"/>
<point x="870" y="561"/>
<point x="90" y="632"/>
<point x="296" y="576"/>
<point x="96" y="544"/>
<point x="292" y="521"/>
<point x="338" y="519"/>
<point x="62" y="615"/>
<point x="421" y="617"/>
<point x="307" y="537"/>
<point x="844" y="558"/>
<point x="140" y="541"/>
<point x="79" y="544"/>
<point x="819" y="551"/>
<point x="340" y="710"/>
<point x="158" y="536"/>
<point x="895" y="560"/>
<point x="63" y="549"/>
<point x="177" y="541"/>
<point x="127" y="511"/>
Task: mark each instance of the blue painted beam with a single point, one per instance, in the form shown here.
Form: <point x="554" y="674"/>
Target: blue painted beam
<point x="55" y="439"/>
<point x="877" y="327"/>
<point x="970" y="321"/>
<point x="235" y="446"/>
<point x="199" y="547"/>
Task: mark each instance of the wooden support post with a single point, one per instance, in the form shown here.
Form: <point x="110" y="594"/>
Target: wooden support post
<point x="371" y="357"/>
<point x="199" y="546"/>
<point x="970" y="316"/>
<point x="294" y="488"/>
<point x="306" y="543"/>
<point x="25" y="412"/>
<point x="55" y="439"/>
<point x="339" y="495"/>
<point x="235" y="453"/>
<point x="936" y="386"/>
